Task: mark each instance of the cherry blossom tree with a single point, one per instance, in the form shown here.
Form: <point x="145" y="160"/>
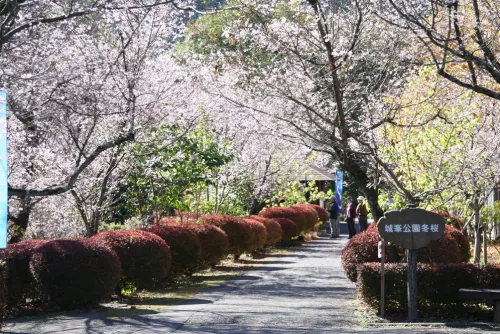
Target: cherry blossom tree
<point x="320" y="69"/>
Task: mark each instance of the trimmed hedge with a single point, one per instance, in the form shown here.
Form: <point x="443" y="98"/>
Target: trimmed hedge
<point x="322" y="213"/>
<point x="3" y="291"/>
<point x="20" y="283"/>
<point x="259" y="234"/>
<point x="285" y="212"/>
<point x="363" y="247"/>
<point x="214" y="243"/>
<point x="273" y="229"/>
<point x="145" y="258"/>
<point x="238" y="232"/>
<point x="185" y="247"/>
<point x="438" y="284"/>
<point x="76" y="272"/>
<point x="289" y="229"/>
<point x="312" y="218"/>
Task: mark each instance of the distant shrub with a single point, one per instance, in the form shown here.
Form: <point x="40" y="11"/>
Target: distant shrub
<point x="145" y="257"/>
<point x="285" y="212"/>
<point x="322" y="213"/>
<point x="289" y="229"/>
<point x="273" y="228"/>
<point x="76" y="272"/>
<point x="259" y="234"/>
<point x="214" y="243"/>
<point x="237" y="231"/>
<point x="20" y="283"/>
<point x="312" y="217"/>
<point x="185" y="247"/>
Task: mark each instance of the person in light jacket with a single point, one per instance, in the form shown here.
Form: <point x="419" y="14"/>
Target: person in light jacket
<point x="362" y="214"/>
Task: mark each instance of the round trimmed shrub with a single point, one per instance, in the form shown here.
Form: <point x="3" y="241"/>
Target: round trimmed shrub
<point x="444" y="250"/>
<point x="361" y="248"/>
<point x="76" y="272"/>
<point x="285" y="212"/>
<point x="237" y="231"/>
<point x="289" y="229"/>
<point x="259" y="234"/>
<point x="214" y="243"/>
<point x="322" y="213"/>
<point x="145" y="257"/>
<point x="462" y="242"/>
<point x="312" y="218"/>
<point x="185" y="247"/>
<point x="20" y="283"/>
<point x="273" y="229"/>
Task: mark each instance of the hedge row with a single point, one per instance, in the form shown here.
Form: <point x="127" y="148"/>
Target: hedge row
<point x="3" y="291"/>
<point x="438" y="284"/>
<point x="363" y="247"/>
<point x="72" y="273"/>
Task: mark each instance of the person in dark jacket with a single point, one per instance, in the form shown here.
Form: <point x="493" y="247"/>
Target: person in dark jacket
<point x="334" y="218"/>
<point x="350" y="216"/>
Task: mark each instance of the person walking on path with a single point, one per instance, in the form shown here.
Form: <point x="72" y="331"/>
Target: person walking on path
<point x="362" y="214"/>
<point x="350" y="215"/>
<point x="334" y="218"/>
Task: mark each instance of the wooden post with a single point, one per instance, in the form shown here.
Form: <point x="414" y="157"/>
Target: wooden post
<point x="382" y="281"/>
<point x="412" y="285"/>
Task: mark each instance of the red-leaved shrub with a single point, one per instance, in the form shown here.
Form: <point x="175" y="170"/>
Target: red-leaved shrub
<point x="322" y="213"/>
<point x="312" y="218"/>
<point x="438" y="284"/>
<point x="444" y="250"/>
<point x="237" y="231"/>
<point x="273" y="228"/>
<point x="214" y="243"/>
<point x="289" y="229"/>
<point x="185" y="247"/>
<point x="145" y="257"/>
<point x="285" y="212"/>
<point x="76" y="272"/>
<point x="462" y="242"/>
<point x="3" y="291"/>
<point x="259" y="234"/>
<point x="20" y="283"/>
<point x="361" y="248"/>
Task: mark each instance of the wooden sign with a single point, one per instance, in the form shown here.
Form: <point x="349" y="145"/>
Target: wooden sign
<point x="411" y="228"/>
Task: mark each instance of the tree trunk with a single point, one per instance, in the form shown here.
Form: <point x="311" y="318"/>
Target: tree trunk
<point x="361" y="178"/>
<point x="477" y="230"/>
<point x="19" y="224"/>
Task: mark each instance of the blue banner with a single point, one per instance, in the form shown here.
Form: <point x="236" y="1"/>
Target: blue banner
<point x="4" y="200"/>
<point x="339" y="187"/>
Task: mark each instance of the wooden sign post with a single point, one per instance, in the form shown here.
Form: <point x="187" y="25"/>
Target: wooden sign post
<point x="411" y="228"/>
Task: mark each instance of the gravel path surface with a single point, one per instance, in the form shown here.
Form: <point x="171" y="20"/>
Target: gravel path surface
<point x="305" y="291"/>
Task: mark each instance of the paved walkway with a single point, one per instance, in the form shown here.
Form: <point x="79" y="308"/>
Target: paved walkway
<point x="303" y="292"/>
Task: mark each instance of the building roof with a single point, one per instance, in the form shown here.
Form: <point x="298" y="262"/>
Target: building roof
<point x="313" y="173"/>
